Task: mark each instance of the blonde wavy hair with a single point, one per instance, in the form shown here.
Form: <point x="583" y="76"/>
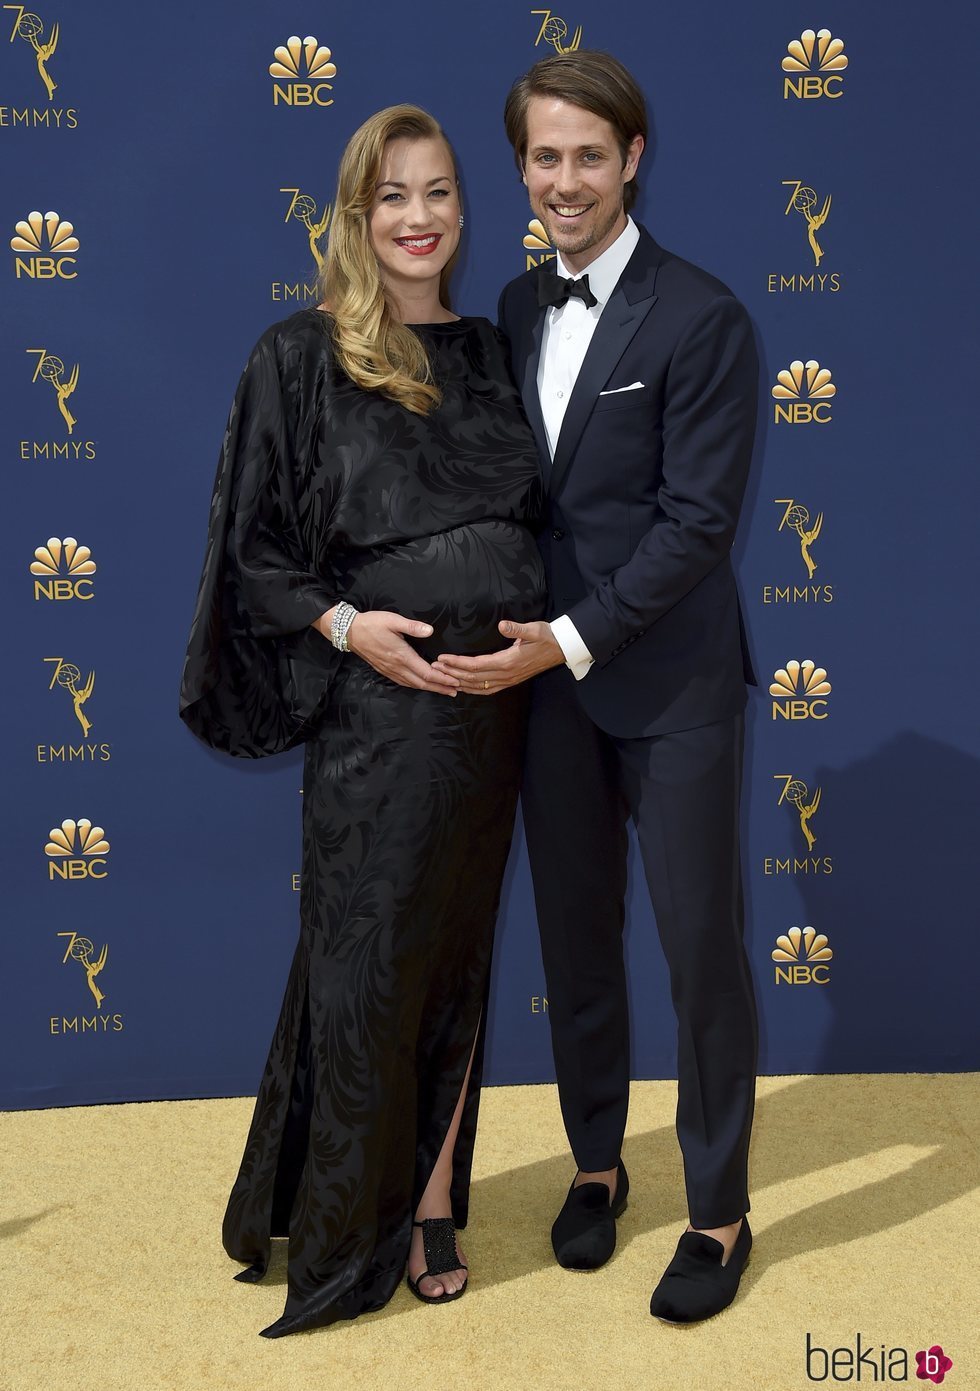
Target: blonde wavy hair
<point x="373" y="347"/>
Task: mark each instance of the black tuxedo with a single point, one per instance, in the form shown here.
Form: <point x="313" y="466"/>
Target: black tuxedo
<point x="644" y="496"/>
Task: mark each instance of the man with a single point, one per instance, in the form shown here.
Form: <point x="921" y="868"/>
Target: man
<point x="640" y="377"/>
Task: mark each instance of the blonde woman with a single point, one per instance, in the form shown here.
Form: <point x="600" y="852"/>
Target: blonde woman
<point x="372" y="508"/>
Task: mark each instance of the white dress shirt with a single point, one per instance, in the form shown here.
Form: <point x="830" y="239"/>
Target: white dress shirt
<point x="568" y="331"/>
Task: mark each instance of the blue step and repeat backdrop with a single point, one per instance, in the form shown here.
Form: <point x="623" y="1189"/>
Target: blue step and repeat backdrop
<point x="168" y="175"/>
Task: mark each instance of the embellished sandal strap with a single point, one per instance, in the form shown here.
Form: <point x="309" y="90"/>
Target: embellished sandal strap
<point x="439" y="1245"/>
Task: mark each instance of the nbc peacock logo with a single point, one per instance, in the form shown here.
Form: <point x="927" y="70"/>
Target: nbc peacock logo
<point x="814" y="66"/>
<point x="537" y="244"/>
<point x="301" y="70"/>
<point x="801" y="956"/>
<point x="45" y="247"/>
<point x="799" y="691"/>
<point x="803" y="393"/>
<point x="77" y="850"/>
<point x="63" y="570"/>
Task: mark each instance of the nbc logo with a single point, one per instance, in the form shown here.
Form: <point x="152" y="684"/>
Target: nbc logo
<point x="64" y="568"/>
<point x="799" y="688"/>
<point x="45" y="248"/>
<point x="814" y="64"/>
<point x="537" y="241"/>
<point x="77" y="850"/>
<point x="302" y="68"/>
<point x="807" y="389"/>
<point x="805" y="953"/>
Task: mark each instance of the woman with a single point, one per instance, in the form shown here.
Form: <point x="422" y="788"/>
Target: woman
<point x="371" y="508"/>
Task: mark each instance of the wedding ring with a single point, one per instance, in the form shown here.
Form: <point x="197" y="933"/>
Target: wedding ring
<point x="486" y="685"/>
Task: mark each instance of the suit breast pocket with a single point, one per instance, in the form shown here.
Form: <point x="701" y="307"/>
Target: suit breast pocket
<point x="639" y="398"/>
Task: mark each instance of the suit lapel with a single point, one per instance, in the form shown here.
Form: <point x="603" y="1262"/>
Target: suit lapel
<point x="628" y="306"/>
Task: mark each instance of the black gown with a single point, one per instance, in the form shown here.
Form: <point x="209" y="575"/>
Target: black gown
<point x="325" y="491"/>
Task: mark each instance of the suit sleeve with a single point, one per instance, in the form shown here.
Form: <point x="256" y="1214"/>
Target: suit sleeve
<point x="256" y="675"/>
<point x="709" y="420"/>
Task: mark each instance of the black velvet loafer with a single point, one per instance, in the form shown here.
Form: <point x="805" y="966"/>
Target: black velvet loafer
<point x="584" y="1233"/>
<point x="696" y="1285"/>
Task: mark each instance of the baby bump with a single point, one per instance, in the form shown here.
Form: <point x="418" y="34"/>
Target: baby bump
<point x="462" y="581"/>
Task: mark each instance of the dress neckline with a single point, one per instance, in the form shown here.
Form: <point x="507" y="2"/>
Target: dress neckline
<point x="438" y="323"/>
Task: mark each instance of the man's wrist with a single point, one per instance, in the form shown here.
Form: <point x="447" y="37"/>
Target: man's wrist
<point x="577" y="656"/>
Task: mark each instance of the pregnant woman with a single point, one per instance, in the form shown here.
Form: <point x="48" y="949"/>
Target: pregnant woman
<point x="372" y="506"/>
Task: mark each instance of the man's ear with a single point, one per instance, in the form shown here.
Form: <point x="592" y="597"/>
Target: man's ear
<point x="524" y="174"/>
<point x="633" y="157"/>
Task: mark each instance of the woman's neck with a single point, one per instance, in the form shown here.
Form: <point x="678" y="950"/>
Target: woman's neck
<point x="422" y="308"/>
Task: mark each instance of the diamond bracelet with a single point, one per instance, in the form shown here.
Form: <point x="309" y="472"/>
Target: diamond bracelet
<point x="343" y="616"/>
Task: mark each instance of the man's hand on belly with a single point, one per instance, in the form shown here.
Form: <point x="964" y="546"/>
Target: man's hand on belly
<point x="534" y="650"/>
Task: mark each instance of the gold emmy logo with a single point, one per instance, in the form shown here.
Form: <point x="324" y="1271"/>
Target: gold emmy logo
<point x="30" y="28"/>
<point x="554" y="30"/>
<point x="799" y="688"/>
<point x="303" y="67"/>
<point x="69" y="678"/>
<point x="303" y="208"/>
<point x="805" y="950"/>
<point x="804" y="200"/>
<point x="80" y="949"/>
<point x="46" y="242"/>
<point x="796" y="793"/>
<point x="77" y="850"/>
<point x="65" y="567"/>
<point x="797" y="518"/>
<point x="51" y="369"/>
<point x="808" y="389"/>
<point x="814" y="63"/>
<point x="536" y="240"/>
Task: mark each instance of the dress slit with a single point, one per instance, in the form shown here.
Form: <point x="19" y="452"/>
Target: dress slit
<point x="296" y="1132"/>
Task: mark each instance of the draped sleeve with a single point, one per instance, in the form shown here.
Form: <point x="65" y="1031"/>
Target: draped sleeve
<point x="256" y="676"/>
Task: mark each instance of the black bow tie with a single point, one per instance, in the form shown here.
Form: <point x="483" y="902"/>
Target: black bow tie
<point x="556" y="290"/>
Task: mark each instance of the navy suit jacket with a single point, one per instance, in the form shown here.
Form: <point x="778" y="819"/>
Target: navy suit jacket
<point x="644" y="493"/>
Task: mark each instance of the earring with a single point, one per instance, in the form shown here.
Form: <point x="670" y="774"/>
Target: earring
<point x="461" y="220"/>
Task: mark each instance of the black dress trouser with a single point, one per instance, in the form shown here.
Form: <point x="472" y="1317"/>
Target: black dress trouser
<point x="581" y="785"/>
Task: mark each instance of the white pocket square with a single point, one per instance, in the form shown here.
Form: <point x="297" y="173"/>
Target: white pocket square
<point x="634" y="386"/>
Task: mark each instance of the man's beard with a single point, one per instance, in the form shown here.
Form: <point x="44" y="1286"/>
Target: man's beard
<point x="592" y="237"/>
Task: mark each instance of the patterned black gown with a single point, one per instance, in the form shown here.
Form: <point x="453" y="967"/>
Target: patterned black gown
<point x="325" y="491"/>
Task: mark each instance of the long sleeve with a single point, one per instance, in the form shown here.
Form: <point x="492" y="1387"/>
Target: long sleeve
<point x="256" y="675"/>
<point x="708" y="431"/>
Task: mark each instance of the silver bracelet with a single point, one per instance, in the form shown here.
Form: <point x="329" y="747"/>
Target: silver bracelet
<point x="343" y="616"/>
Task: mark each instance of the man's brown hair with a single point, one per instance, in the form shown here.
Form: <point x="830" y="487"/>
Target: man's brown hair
<point x="597" y="82"/>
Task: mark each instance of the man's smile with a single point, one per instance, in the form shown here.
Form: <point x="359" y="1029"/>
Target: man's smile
<point x="568" y="212"/>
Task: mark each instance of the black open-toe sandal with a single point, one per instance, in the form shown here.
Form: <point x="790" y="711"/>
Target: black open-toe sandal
<point x="439" y="1246"/>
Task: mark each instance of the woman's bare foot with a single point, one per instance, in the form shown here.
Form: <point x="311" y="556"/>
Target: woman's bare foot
<point x="436" y="1202"/>
<point x="451" y="1281"/>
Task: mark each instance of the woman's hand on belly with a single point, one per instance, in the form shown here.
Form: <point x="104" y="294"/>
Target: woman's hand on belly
<point x="376" y="636"/>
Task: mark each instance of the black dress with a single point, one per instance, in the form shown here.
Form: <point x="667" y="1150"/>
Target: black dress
<point x="325" y="491"/>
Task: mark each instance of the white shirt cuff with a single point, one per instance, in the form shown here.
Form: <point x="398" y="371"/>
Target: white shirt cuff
<point x="578" y="658"/>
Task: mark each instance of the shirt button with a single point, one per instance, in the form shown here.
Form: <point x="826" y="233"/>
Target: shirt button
<point x="567" y="337"/>
<point x="559" y="394"/>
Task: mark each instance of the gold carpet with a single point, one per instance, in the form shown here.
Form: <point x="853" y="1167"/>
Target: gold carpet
<point x="864" y="1216"/>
